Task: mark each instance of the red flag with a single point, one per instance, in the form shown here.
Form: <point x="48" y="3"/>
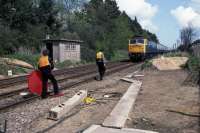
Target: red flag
<point x="35" y="82"/>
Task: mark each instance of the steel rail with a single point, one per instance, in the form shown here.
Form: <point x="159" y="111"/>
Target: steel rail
<point x="67" y="86"/>
<point x="8" y="82"/>
<point x="73" y="76"/>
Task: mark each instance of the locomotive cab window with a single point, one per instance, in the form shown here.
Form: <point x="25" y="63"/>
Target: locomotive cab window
<point x="141" y="41"/>
<point x="133" y="41"/>
<point x="137" y="41"/>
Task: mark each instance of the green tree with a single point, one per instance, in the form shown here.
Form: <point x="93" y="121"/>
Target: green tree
<point x="48" y="15"/>
<point x="8" y="41"/>
<point x="16" y="14"/>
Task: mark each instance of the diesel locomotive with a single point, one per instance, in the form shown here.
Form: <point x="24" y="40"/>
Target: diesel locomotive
<point x="140" y="48"/>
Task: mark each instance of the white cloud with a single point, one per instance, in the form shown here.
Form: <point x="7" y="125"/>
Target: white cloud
<point x="186" y="16"/>
<point x="147" y="24"/>
<point x="142" y="9"/>
<point x="197" y="1"/>
<point x="195" y="4"/>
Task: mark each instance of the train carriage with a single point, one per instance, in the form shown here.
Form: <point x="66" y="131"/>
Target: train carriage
<point x="140" y="48"/>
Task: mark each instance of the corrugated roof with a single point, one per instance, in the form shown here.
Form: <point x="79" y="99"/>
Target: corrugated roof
<point x="61" y="40"/>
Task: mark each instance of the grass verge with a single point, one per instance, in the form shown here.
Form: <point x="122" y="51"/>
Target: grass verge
<point x="69" y="63"/>
<point x="119" y="55"/>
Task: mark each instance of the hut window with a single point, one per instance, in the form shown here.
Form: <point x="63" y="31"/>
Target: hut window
<point x="67" y="47"/>
<point x="70" y="47"/>
<point x="73" y="47"/>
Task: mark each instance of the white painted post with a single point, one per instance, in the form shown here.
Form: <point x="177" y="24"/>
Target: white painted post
<point x="9" y="72"/>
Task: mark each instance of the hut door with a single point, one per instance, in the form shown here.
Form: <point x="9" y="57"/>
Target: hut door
<point x="50" y="48"/>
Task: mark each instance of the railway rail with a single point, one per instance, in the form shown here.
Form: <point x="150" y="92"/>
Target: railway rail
<point x="8" y="82"/>
<point x="71" y="74"/>
<point x="86" y="76"/>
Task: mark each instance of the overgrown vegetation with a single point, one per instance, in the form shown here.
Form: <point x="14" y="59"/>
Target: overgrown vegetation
<point x="193" y="64"/>
<point x="99" y="23"/>
<point x="120" y="55"/>
<point x="176" y="54"/>
<point x="147" y="64"/>
<point x="22" y="55"/>
<point x="15" y="69"/>
<point x="29" y="58"/>
<point x="69" y="63"/>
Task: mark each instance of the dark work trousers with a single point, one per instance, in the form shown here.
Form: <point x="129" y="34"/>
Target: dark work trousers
<point x="46" y="74"/>
<point x="101" y="68"/>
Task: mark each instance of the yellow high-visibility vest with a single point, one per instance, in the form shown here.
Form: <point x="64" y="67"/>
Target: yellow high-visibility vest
<point x="99" y="55"/>
<point x="43" y="61"/>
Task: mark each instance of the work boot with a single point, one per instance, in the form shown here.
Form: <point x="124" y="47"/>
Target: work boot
<point x="101" y="78"/>
<point x="58" y="94"/>
<point x="44" y="96"/>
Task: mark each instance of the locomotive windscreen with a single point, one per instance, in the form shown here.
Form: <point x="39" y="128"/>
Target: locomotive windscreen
<point x="140" y="41"/>
<point x="137" y="41"/>
<point x="133" y="41"/>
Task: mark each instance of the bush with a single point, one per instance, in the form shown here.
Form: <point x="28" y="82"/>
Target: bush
<point x="87" y="54"/>
<point x="15" y="70"/>
<point x="119" y="55"/>
<point x="4" y="69"/>
<point x="193" y="64"/>
<point x="146" y="64"/>
<point x="8" y="41"/>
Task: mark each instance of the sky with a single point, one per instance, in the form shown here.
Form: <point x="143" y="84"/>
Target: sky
<point x="165" y="18"/>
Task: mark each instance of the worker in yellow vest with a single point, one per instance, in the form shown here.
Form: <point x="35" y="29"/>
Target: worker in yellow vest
<point x="45" y="66"/>
<point x="100" y="64"/>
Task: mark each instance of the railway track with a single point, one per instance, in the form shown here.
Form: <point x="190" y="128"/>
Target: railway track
<point x="85" y="77"/>
<point x="9" y="82"/>
<point x="71" y="74"/>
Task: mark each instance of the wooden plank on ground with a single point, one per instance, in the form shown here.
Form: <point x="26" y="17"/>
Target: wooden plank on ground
<point x="129" y="80"/>
<point x="119" y="114"/>
<point x="100" y="129"/>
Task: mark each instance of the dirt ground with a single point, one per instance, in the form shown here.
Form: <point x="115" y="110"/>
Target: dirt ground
<point x="84" y="116"/>
<point x="163" y="102"/>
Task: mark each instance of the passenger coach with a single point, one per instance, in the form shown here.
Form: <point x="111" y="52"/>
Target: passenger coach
<point x="140" y="48"/>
